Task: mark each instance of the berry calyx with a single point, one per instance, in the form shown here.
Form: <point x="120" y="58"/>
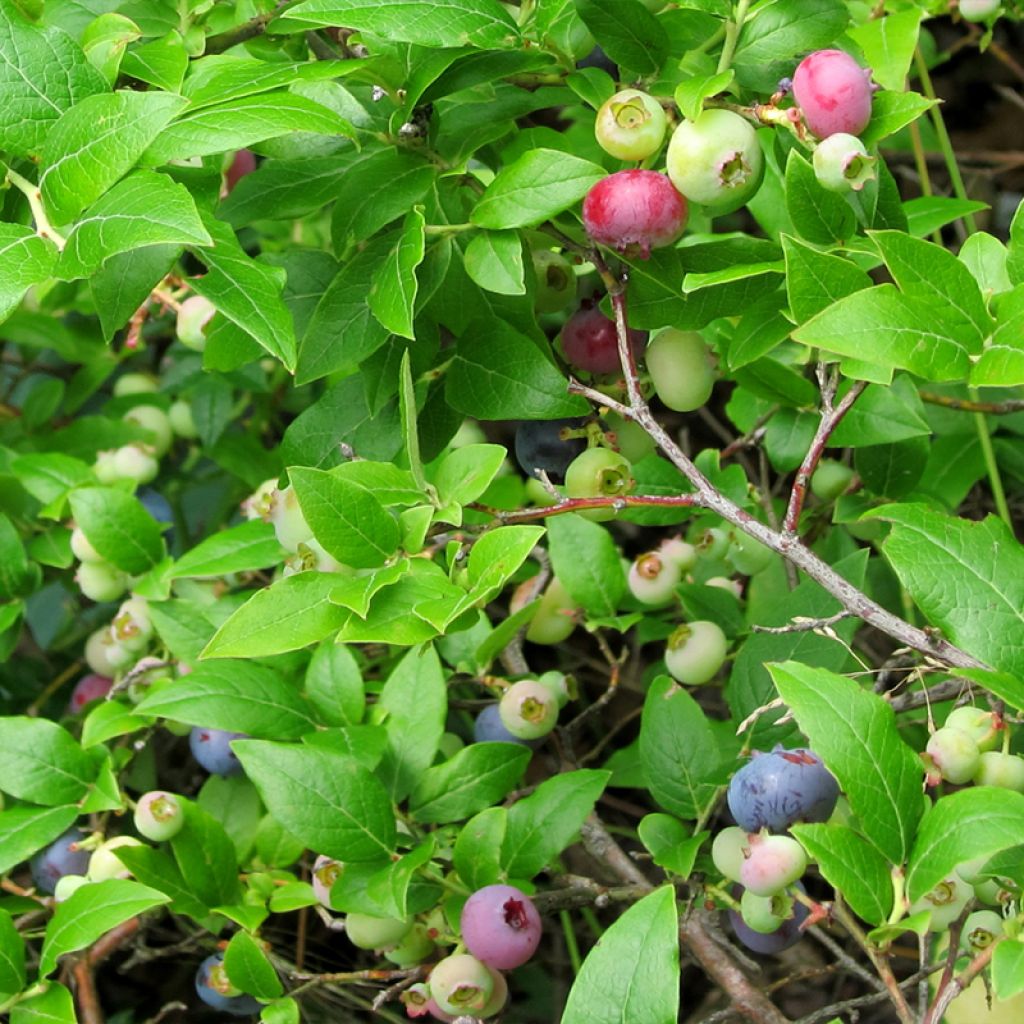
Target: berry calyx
<point x="630" y="125"/>
<point x="599" y="473"/>
<point x="500" y="926"/>
<point x="945" y="901"/>
<point x="716" y="160"/>
<point x="634" y="212"/>
<point x="833" y="93"/>
<point x="842" y="163"/>
<point x="326" y="871"/>
<point x="695" y="652"/>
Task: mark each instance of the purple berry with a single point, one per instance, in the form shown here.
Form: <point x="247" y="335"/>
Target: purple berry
<point x="212" y="749"/>
<point x="589" y="341"/>
<point x="833" y="92"/>
<point x="501" y="926"/>
<point x="634" y="212"/>
<point x="49" y="866"/>
<point x="776" y="789"/>
<point x="214" y="988"/>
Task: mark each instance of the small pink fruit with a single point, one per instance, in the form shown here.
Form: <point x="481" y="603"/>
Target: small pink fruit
<point x="773" y="863"/>
<point x="833" y="92"/>
<point x="634" y="212"/>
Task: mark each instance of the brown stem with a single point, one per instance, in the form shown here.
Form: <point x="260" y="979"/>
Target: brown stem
<point x="250" y="29"/>
<point x="946" y="994"/>
<point x="966" y="405"/>
<point x="789" y="546"/>
<point x="623" y="501"/>
<point x="831" y="416"/>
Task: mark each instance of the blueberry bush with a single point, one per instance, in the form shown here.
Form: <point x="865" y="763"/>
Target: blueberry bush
<point x="508" y="512"/>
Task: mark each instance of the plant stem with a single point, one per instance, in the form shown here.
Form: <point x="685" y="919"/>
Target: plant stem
<point x="572" y="947"/>
<point x="732" y="34"/>
<point x="35" y="202"/>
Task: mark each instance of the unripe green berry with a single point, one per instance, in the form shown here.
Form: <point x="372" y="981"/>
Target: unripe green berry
<point x="193" y="316"/>
<point x="765" y="914"/>
<point x="528" y="709"/>
<point x="155" y="420"/>
<point x="980" y="930"/>
<point x="461" y="984"/>
<point x="945" y="901"/>
<point x="159" y="816"/>
<point x="67" y="886"/>
<point x="984" y="727"/>
<point x="182" y="421"/>
<point x="1003" y="770"/>
<point x="728" y="851"/>
<point x="369" y="932"/>
<point x="137" y="463"/>
<point x="135" y="384"/>
<point x="842" y="163"/>
<point x="630" y="125"/>
<point x="679" y="363"/>
<point x="695" y="653"/>
<point x="82" y="549"/>
<point x="104" y="862"/>
<point x="830" y="479"/>
<point x="101" y="581"/>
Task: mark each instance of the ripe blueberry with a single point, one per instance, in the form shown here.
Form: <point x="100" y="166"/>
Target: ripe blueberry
<point x="215" y="989"/>
<point x="544" y="446"/>
<point x="781" y="787"/>
<point x="212" y="749"/>
<point x="60" y="858"/>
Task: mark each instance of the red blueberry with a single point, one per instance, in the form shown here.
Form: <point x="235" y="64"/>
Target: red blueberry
<point x="634" y="212"/>
<point x="834" y="93"/>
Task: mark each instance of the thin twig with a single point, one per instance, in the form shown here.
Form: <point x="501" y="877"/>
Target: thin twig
<point x="1010" y="405"/>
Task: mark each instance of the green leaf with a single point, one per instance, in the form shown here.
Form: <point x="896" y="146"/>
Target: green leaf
<point x="379" y="186"/>
<point x="498" y="373"/>
<point x="496" y="556"/>
<point x="291" y="613"/>
<point x="768" y="42"/>
<point x="25" y="260"/>
<point x="483" y="23"/>
<point x="104" y="42"/>
<point x="465" y="473"/>
<point x="143" y="209"/>
<point x="238" y="696"/>
<point x="54" y="1006"/>
<point x="883" y="415"/>
<point x="1002" y="362"/>
<point x="348" y="520"/>
<point x="1008" y="970"/>
<point x="888" y="46"/>
<point x="894" y="331"/>
<point x="332" y="804"/>
<point x="974" y="822"/>
<point x="814" y="279"/>
<point x="985" y="257"/>
<point x="628" y="32"/>
<point x="967" y="577"/>
<point x="929" y="272"/>
<point x="632" y="974"/>
<point x="926" y="214"/>
<point x="95" y="143"/>
<point x="343" y="331"/>
<point x="15" y="576"/>
<point x="680" y="752"/>
<point x="691" y="93"/>
<point x="891" y="111"/>
<point x="12" y="957"/>
<point x="158" y="870"/>
<point x="282" y="1011"/>
<point x="415" y="698"/>
<point x="42" y="762"/>
<point x="543" y="824"/>
<point x="477" y="852"/>
<point x="118" y="527"/>
<point x="392" y="295"/>
<point x="243" y="548"/>
<point x="586" y="562"/>
<point x="220" y="77"/>
<point x="33" y="101"/>
<point x="108" y="719"/>
<point x="476" y="777"/>
<point x="855" y="734"/>
<point x="161" y="62"/>
<point x="494" y="260"/>
<point x="852" y="866"/>
<point x="535" y="187"/>
<point x="669" y="843"/>
<point x="819" y="215"/>
<point x="91" y="911"/>
<point x="334" y="685"/>
<point x="206" y="857"/>
<point x="124" y="282"/>
<point x="248" y="967"/>
<point x="246" y="292"/>
<point x="243" y="122"/>
<point x="390" y="886"/>
<point x="24" y="830"/>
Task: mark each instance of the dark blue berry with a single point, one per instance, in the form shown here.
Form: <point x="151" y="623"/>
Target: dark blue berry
<point x="159" y="508"/>
<point x="49" y="866"/>
<point x="540" y="446"/>
<point x="212" y="749"/>
<point x="776" y="789"/>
